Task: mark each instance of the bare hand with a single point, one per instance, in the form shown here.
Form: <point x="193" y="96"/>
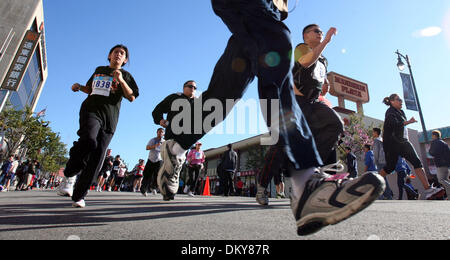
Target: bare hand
<point x="325" y="88"/>
<point x="164" y="123"/>
<point x="76" y="87"/>
<point x="117" y="74"/>
<point x="332" y="32"/>
<point x="412" y="120"/>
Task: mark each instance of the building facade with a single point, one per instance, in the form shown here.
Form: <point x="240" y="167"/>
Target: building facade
<point x="249" y="148"/>
<point x="23" y="54"/>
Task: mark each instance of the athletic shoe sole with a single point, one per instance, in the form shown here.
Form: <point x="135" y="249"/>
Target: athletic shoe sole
<point x="164" y="176"/>
<point x="313" y="223"/>
<point x="437" y="195"/>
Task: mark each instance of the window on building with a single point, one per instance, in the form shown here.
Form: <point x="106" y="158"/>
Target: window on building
<point x="31" y="82"/>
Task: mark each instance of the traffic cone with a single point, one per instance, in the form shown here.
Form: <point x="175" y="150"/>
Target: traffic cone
<point x="206" y="191"/>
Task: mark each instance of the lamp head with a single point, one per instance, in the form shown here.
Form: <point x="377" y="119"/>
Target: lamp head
<point x="400" y="64"/>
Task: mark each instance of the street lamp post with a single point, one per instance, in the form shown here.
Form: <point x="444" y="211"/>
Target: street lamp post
<point x="401" y="67"/>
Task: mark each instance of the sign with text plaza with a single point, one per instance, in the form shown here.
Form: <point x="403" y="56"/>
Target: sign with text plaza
<point x="21" y="61"/>
<point x="349" y="89"/>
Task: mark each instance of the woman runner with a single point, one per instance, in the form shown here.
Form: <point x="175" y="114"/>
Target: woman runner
<point x="99" y="116"/>
<point x="396" y="144"/>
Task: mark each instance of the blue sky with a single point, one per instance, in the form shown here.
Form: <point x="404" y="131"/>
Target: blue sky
<point x="173" y="41"/>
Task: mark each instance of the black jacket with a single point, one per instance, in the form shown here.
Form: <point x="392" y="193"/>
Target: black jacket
<point x="394" y="127"/>
<point x="441" y="153"/>
<point x="229" y="160"/>
<point x="165" y="107"/>
<point x="352" y="164"/>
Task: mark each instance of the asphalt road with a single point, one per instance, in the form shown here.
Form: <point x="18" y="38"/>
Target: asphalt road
<point x="41" y="215"/>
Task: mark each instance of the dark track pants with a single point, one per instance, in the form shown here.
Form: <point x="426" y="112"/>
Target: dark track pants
<point x="87" y="154"/>
<point x="150" y="175"/>
<point x="326" y="126"/>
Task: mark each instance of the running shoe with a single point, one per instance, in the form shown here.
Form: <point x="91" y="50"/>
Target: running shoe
<point x="65" y="189"/>
<point x="169" y="173"/>
<point x="328" y="200"/>
<point x="261" y="196"/>
<point x="434" y="193"/>
<point x="143" y="192"/>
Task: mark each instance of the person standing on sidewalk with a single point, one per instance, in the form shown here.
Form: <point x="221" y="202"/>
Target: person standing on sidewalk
<point x="195" y="159"/>
<point x="396" y="144"/>
<point x="99" y="115"/>
<point x="403" y="171"/>
<point x="369" y="160"/>
<point x="380" y="159"/>
<point x="11" y="173"/>
<point x="352" y="163"/>
<point x="441" y="153"/>
<point x="229" y="167"/>
<point x="153" y="163"/>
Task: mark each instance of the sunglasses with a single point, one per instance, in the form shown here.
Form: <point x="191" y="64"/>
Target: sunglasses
<point x="399" y="99"/>
<point x="191" y="86"/>
<point x="316" y="31"/>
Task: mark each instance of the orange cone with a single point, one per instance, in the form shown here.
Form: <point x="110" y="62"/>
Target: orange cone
<point x="206" y="191"/>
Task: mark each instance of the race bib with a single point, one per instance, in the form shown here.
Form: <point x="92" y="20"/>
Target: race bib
<point x="320" y="73"/>
<point x="102" y="85"/>
<point x="198" y="156"/>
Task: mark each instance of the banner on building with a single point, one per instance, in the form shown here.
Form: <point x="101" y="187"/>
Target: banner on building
<point x="408" y="92"/>
<point x="21" y="61"/>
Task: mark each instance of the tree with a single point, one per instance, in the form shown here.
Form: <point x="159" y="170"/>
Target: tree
<point x="15" y="124"/>
<point x="356" y="135"/>
<point x="34" y="136"/>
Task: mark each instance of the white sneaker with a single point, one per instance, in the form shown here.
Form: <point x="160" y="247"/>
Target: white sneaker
<point x="79" y="204"/>
<point x="65" y="189"/>
<point x="190" y="194"/>
<point x="169" y="173"/>
<point x="154" y="192"/>
<point x="186" y="189"/>
<point x="327" y="200"/>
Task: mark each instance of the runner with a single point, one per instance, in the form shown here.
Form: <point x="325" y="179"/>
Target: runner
<point x="117" y="164"/>
<point x="311" y="83"/>
<point x="396" y="144"/>
<point x="99" y="116"/>
<point x="139" y="173"/>
<point x="106" y="170"/>
<point x="195" y="158"/>
<point x="260" y="46"/>
<point x="310" y="79"/>
<point x="165" y="107"/>
<point x="153" y="163"/>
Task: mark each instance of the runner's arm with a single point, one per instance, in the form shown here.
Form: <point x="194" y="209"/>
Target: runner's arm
<point x="78" y="87"/>
<point x="127" y="91"/>
<point x="309" y="57"/>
